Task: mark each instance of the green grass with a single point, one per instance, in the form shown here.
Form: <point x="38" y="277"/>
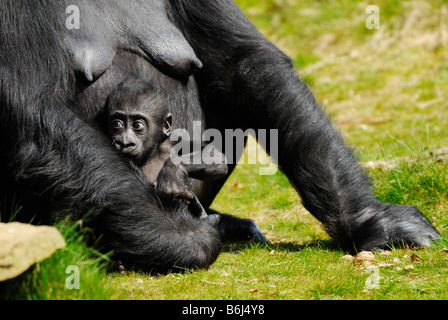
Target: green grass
<point x="302" y="262"/>
<point x="387" y="91"/>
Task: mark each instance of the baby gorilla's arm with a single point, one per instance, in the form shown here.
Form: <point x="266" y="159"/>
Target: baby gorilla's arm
<point x="212" y="165"/>
<point x="172" y="181"/>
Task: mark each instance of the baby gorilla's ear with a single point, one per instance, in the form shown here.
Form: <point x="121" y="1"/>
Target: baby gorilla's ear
<point x="167" y="124"/>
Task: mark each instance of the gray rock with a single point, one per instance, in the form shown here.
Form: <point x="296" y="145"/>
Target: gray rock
<point x="22" y="245"/>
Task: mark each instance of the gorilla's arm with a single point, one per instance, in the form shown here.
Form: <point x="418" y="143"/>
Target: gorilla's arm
<point x="245" y="75"/>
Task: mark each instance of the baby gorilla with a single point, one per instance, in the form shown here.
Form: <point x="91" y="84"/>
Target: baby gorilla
<point x="139" y="124"/>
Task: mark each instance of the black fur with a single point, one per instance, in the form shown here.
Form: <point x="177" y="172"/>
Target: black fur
<point x="51" y="151"/>
<point x="55" y="159"/>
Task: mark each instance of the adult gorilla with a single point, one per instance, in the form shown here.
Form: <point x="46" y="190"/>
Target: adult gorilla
<point x="53" y="84"/>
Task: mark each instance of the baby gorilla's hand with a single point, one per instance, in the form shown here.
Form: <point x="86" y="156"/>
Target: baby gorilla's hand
<point x="172" y="181"/>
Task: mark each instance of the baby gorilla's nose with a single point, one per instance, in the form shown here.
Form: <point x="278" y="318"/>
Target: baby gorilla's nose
<point x="124" y="147"/>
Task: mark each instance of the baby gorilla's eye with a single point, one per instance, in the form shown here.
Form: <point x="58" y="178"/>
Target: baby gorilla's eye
<point x="117" y="124"/>
<point x="138" y="125"/>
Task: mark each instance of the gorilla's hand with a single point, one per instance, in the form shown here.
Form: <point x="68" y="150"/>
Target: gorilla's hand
<point x="379" y="228"/>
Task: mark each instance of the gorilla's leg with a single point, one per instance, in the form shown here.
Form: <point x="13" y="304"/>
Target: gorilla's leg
<point x="245" y="74"/>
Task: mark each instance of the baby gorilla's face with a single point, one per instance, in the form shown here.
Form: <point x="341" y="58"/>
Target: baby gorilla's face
<point x="134" y="134"/>
<point x="138" y="132"/>
<point x="138" y="120"/>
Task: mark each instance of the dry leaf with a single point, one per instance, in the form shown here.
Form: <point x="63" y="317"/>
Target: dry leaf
<point x="416" y="258"/>
<point x="272" y="253"/>
<point x="253" y="290"/>
<point x="225" y="274"/>
<point x="409" y="267"/>
<point x="365" y="256"/>
<point x="237" y="185"/>
<point x="444" y="250"/>
<point x="385" y="264"/>
<point x="386" y="253"/>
